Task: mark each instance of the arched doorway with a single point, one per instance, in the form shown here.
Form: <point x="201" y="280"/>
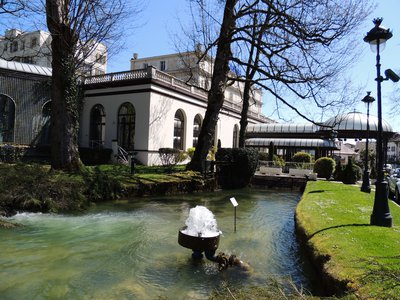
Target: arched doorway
<point x="7" y="119"/>
<point x="45" y="123"/>
<point x="97" y="126"/>
<point x="126" y="126"/>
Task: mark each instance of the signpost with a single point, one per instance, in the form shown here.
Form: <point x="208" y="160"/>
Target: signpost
<point x="235" y="204"/>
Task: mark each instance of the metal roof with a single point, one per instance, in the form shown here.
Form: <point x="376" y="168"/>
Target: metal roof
<point x="25" y="68"/>
<point x="282" y="128"/>
<point x="305" y="143"/>
<point x="355" y="121"/>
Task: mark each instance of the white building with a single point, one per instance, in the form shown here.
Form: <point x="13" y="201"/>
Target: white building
<point x="35" y="48"/>
<point x="393" y="149"/>
<point x="147" y="109"/>
<point x="187" y="67"/>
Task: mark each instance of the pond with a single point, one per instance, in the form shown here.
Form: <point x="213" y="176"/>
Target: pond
<point x="129" y="249"/>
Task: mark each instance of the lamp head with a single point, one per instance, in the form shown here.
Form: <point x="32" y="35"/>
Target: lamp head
<point x="378" y="36"/>
<point x="368" y="99"/>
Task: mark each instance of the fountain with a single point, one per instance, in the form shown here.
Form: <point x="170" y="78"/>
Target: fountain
<point x="200" y="234"/>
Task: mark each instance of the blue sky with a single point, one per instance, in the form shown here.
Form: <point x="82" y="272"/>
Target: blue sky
<point x="160" y="20"/>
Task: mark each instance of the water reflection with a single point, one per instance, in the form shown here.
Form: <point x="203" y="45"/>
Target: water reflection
<point x="129" y="249"/>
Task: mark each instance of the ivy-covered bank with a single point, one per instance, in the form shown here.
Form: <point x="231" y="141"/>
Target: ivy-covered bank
<point x="37" y="188"/>
<point x="351" y="256"/>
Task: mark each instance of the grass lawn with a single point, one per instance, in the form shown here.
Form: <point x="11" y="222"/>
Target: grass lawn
<point x="335" y="218"/>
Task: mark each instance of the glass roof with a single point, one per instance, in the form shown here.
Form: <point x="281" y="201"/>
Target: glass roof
<point x="26" y="68"/>
<point x="306" y="143"/>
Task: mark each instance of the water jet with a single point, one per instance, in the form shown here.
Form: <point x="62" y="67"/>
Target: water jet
<point x="200" y="233"/>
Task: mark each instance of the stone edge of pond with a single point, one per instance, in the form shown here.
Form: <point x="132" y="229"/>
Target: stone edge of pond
<point x="330" y="285"/>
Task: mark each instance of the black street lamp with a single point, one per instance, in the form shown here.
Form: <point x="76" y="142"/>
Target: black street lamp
<point x="365" y="187"/>
<point x="380" y="216"/>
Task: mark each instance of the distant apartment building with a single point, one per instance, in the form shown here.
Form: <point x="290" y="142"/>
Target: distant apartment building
<point x="35" y="48"/>
<point x="393" y="149"/>
<point x="189" y="68"/>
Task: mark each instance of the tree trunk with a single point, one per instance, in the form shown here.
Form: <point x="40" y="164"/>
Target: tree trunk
<point x="218" y="86"/>
<point x="243" y="114"/>
<point x="64" y="89"/>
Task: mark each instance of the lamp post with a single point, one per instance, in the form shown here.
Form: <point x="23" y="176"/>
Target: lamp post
<point x="365" y="187"/>
<point x="380" y="216"/>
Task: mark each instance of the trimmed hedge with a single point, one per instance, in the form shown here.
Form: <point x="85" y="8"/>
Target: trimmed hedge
<point x="302" y="157"/>
<point x="236" y="166"/>
<point x="324" y="167"/>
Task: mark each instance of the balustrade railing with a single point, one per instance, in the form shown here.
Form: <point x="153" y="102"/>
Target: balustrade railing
<point x="153" y="73"/>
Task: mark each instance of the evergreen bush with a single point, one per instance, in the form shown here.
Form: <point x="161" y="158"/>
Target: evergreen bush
<point x="338" y="174"/>
<point x="351" y="173"/>
<point x="301" y="157"/>
<point x="324" y="167"/>
<point x="236" y="166"/>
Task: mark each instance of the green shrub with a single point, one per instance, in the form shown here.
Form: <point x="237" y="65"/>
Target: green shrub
<point x="99" y="186"/>
<point x="190" y="151"/>
<point x="237" y="166"/>
<point x="338" y="174"/>
<point x="170" y="157"/>
<point x="302" y="157"/>
<point x="351" y="173"/>
<point x="324" y="167"/>
<point x="263" y="156"/>
<point x="278" y="161"/>
<point x="11" y="153"/>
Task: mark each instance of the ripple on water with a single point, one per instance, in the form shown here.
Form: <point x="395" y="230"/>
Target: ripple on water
<point x="130" y="250"/>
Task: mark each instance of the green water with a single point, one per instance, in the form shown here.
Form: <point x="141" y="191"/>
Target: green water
<point x="129" y="250"/>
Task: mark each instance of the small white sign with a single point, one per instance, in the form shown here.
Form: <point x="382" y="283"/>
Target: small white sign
<point x="234" y="202"/>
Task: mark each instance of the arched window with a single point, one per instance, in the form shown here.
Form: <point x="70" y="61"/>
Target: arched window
<point x="196" y="129"/>
<point x="126" y="126"/>
<point x="97" y="126"/>
<point x="179" y="130"/>
<point x="45" y="124"/>
<point x="7" y="119"/>
<point x="235" y="136"/>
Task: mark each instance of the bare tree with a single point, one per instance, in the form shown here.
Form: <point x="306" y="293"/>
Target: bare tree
<point x="76" y="27"/>
<point x="301" y="47"/>
<point x="218" y="86"/>
<point x="12" y="6"/>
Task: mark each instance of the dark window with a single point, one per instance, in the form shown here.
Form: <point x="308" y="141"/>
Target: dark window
<point x="196" y="129"/>
<point x="126" y="126"/>
<point x="7" y="119"/>
<point x="44" y="135"/>
<point x="34" y="42"/>
<point x="97" y="126"/>
<point x="235" y="136"/>
<point x="162" y="65"/>
<point x="179" y="130"/>
<point x="14" y="46"/>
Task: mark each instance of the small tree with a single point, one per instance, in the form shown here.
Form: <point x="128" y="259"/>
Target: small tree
<point x="302" y="157"/>
<point x="338" y="174"/>
<point x="238" y="168"/>
<point x="324" y="167"/>
<point x="351" y="173"/>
